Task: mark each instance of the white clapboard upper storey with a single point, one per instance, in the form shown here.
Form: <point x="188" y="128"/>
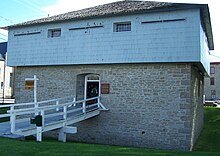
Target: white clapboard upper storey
<point x="126" y="7"/>
<point x="119" y="32"/>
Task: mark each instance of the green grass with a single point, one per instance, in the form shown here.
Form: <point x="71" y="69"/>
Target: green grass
<point x="207" y="145"/>
<point x="210" y="137"/>
<point x="53" y="147"/>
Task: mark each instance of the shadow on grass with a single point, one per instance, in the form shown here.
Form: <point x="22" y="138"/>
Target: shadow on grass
<point x="3" y="111"/>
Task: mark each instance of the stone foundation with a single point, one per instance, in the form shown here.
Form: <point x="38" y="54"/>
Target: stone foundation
<point x="150" y="105"/>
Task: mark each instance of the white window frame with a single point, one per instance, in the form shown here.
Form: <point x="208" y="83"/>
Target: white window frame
<point x="87" y="80"/>
<point x="212" y="70"/>
<point x="122" y="26"/>
<point x="213" y="94"/>
<point x="54" y="33"/>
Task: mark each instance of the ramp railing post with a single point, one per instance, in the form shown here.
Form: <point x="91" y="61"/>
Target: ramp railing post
<point x="39" y="119"/>
<point x="99" y="102"/>
<point x="84" y="106"/>
<point x="39" y="134"/>
<point x="35" y="88"/>
<point x="64" y="112"/>
<point x="12" y="119"/>
<point x="40" y="126"/>
<point x="36" y="108"/>
<point x="74" y="100"/>
<point x="42" y="114"/>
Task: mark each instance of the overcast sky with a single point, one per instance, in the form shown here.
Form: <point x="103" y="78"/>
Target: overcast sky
<point x="16" y="11"/>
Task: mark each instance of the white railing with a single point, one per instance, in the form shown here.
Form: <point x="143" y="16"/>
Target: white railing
<point x="49" y="109"/>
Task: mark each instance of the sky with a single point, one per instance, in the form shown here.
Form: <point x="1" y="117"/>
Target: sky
<point x="17" y="11"/>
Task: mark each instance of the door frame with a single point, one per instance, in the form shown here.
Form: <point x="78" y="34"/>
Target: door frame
<point x="86" y="80"/>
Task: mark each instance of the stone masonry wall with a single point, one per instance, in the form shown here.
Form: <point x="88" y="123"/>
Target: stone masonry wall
<point x="197" y="104"/>
<point x="150" y="105"/>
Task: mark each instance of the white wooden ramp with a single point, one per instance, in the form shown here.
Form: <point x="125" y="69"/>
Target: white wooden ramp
<point x="55" y="114"/>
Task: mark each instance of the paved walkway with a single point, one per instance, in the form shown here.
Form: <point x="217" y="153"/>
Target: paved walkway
<point x="5" y="131"/>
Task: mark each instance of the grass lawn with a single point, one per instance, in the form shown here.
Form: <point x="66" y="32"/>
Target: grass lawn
<point x="210" y="137"/>
<point x="208" y="144"/>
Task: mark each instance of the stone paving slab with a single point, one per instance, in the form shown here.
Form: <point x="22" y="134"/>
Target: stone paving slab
<point x="5" y="131"/>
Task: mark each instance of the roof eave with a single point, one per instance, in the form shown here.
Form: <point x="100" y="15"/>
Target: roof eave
<point x="4" y="28"/>
<point x="207" y="25"/>
<point x="99" y="16"/>
<point x="87" y="17"/>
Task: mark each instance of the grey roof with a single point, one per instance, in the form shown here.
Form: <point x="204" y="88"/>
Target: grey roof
<point x="110" y="9"/>
<point x="125" y="7"/>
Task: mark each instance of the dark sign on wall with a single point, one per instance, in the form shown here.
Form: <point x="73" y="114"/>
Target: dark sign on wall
<point x="105" y="88"/>
<point x="29" y="84"/>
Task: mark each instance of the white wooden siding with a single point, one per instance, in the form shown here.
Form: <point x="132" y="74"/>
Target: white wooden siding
<point x="204" y="51"/>
<point x="177" y="41"/>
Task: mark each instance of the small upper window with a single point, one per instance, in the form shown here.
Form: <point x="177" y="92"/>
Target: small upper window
<point x="213" y="94"/>
<point x="212" y="81"/>
<point x="212" y="70"/>
<point x="11" y="80"/>
<point x="54" y="33"/>
<point x="120" y="27"/>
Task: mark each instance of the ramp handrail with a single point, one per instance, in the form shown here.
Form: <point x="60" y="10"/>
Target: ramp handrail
<point x="57" y="108"/>
<point x="32" y="103"/>
<point x="45" y="108"/>
<point x="12" y="106"/>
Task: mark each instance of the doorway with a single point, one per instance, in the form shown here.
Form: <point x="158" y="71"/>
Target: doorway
<point x="92" y="88"/>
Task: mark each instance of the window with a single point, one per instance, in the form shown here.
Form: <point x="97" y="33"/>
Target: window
<point x="212" y="70"/>
<point x="54" y="33"/>
<point x="11" y="80"/>
<point x="120" y="27"/>
<point x="212" y="81"/>
<point x="213" y="94"/>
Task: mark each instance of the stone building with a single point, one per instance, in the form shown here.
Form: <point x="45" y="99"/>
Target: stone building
<point x="212" y="83"/>
<point x="146" y="59"/>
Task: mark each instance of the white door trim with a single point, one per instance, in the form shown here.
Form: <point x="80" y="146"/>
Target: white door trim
<point x="86" y="80"/>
